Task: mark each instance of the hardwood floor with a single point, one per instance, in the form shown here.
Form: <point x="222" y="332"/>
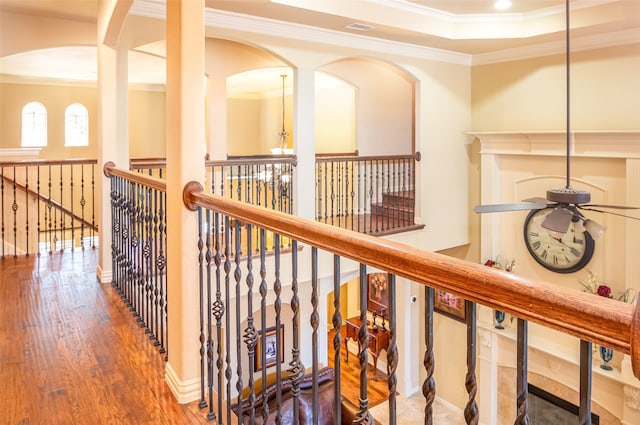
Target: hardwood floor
<point x="70" y="352"/>
<point x="377" y="386"/>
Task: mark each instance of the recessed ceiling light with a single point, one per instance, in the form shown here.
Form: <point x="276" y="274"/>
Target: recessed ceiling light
<point x="359" y="27"/>
<point x="502" y="4"/>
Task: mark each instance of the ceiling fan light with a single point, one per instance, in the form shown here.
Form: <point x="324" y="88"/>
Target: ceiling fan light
<point x="558" y="220"/>
<point x="596" y="230"/>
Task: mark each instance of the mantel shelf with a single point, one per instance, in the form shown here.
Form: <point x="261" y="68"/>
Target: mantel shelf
<point x="596" y="144"/>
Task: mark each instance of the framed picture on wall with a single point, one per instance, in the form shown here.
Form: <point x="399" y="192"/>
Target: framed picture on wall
<point x="449" y="305"/>
<point x="270" y="346"/>
<point x="378" y="293"/>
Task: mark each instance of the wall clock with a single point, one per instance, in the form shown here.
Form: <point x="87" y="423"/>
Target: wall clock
<point x="560" y="253"/>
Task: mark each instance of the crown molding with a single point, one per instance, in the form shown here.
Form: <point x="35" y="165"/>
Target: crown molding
<point x="239" y="23"/>
<point x="619" y="38"/>
<point x="217" y="19"/>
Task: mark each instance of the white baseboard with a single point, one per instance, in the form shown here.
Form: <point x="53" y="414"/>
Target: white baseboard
<point x="104" y="276"/>
<point x="185" y="391"/>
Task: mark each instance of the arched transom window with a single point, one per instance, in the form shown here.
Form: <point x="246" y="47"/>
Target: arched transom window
<point x="76" y="125"/>
<point x="34" y="125"/>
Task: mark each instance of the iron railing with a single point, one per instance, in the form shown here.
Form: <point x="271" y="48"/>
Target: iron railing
<point x="139" y="248"/>
<point x="248" y="318"/>
<point x="47" y="206"/>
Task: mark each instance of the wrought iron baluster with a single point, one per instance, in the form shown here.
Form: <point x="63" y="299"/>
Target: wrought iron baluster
<point x="73" y="230"/>
<point x="584" y="412"/>
<point x="210" y="344"/>
<point x="62" y="216"/>
<point x="218" y="310"/>
<point x="227" y="292"/>
<point x="38" y="208"/>
<point x="277" y="288"/>
<point x="337" y="338"/>
<point x="14" y="208"/>
<point x="392" y="352"/>
<point x="471" y="409"/>
<point x="93" y="206"/>
<point x="522" y="386"/>
<point x="2" y="199"/>
<point x="49" y="205"/>
<point x="26" y="205"/>
<point x="263" y="314"/>
<point x="250" y="333"/>
<point x="363" y="416"/>
<point x="237" y="275"/>
<point x="162" y="267"/>
<point x="202" y="403"/>
<point x="333" y="192"/>
<point x="297" y="368"/>
<point x="429" y="384"/>
<point x="148" y="257"/>
<point x="315" y="322"/>
<point x="82" y="204"/>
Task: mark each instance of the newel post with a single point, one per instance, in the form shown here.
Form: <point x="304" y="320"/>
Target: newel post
<point x="635" y="340"/>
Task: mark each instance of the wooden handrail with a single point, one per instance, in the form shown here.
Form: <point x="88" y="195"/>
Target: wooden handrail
<point x="48" y="200"/>
<point x="110" y="169"/>
<point x="254" y="160"/>
<point x="42" y="162"/>
<point x="343" y="158"/>
<point x="152" y="162"/>
<point x="603" y="321"/>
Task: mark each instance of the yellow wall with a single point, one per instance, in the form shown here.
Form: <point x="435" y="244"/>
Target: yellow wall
<point x="147" y="124"/>
<point x="146" y="118"/>
<point x="55" y="98"/>
<point x="530" y="94"/>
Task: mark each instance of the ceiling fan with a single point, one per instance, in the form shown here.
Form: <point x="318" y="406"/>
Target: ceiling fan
<point x="567" y="203"/>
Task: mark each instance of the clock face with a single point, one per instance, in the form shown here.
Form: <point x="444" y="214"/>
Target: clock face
<point x="561" y="253"/>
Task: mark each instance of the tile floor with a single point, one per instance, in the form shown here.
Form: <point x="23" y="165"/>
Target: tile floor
<point x="411" y="411"/>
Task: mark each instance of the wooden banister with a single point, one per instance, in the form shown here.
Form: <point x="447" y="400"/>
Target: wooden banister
<point x="50" y="201"/>
<point x="597" y="319"/>
<point x="44" y="162"/>
<point x="357" y="158"/>
<point x="110" y="169"/>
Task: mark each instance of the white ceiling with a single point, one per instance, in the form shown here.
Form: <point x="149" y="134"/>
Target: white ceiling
<point x="467" y="27"/>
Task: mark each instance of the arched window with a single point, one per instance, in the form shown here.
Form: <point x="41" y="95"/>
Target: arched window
<point x="76" y="125"/>
<point x="34" y="125"/>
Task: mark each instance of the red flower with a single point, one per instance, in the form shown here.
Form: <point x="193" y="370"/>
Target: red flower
<point x="489" y="263"/>
<point x="604" y="291"/>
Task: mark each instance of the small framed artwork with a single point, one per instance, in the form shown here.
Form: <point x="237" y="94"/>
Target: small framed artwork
<point x="271" y="354"/>
<point x="378" y="294"/>
<point x="449" y="305"/>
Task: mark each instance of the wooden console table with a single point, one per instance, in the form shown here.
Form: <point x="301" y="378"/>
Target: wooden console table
<point x="378" y="339"/>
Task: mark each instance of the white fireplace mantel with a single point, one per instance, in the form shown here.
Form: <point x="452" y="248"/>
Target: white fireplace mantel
<point x="515" y="164"/>
<point x="596" y="144"/>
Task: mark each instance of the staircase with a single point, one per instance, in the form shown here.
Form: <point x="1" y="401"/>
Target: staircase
<point x="395" y="206"/>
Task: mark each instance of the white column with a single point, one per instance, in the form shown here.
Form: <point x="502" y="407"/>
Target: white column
<point x="216" y="117"/>
<point x="304" y="131"/>
<point x="487" y="370"/>
<point x="113" y="142"/>
<point x="185" y="158"/>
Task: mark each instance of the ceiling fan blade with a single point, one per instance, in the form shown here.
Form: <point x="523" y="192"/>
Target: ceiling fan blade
<point x="519" y="206"/>
<point x="617" y="207"/>
<point x="582" y="207"/>
<point x="558" y="220"/>
<point x="539" y="200"/>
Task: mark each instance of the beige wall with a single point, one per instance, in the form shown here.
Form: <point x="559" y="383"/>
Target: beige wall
<point x="146" y="118"/>
<point x="147" y="114"/>
<point x="55" y="98"/>
<point x="530" y="94"/>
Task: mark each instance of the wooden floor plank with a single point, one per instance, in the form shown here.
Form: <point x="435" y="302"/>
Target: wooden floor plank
<point x="71" y="353"/>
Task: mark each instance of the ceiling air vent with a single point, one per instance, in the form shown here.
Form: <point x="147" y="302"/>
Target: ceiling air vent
<point x="359" y="27"/>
